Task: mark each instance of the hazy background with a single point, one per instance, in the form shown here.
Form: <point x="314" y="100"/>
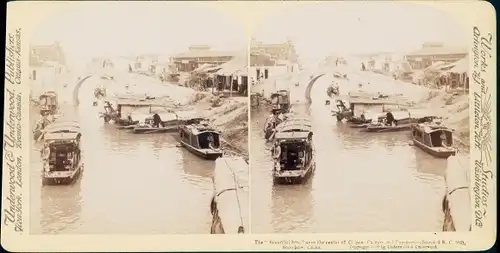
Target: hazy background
<point x="88" y="29"/>
<point x="360" y="27"/>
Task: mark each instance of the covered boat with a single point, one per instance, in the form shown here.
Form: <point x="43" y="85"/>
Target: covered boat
<point x="159" y="123"/>
<point x="434" y="139"/>
<point x="128" y="111"/>
<point x="62" y="154"/>
<point x="402" y="122"/>
<point x="293" y="152"/>
<point x="280" y="101"/>
<point x="230" y="201"/>
<point x="201" y="139"/>
<point x="48" y="103"/>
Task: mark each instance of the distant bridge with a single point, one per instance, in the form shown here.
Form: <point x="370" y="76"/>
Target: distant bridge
<point x="82" y="79"/>
<point x="311" y="84"/>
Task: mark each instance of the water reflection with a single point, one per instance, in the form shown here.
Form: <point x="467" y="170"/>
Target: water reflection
<point x="195" y="168"/>
<point x="292" y="205"/>
<point x="62" y="206"/>
<point x="133" y="184"/>
<point x="364" y="182"/>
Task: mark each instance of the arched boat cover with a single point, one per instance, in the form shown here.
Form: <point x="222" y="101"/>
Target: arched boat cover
<point x="231" y="190"/>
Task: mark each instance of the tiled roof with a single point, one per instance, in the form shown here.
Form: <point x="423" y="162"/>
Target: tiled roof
<point x="261" y="60"/>
<point x="42" y="53"/>
<point x="205" y="53"/>
<point x="438" y="51"/>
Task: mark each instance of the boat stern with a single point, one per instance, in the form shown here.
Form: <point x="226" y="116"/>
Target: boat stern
<point x="59" y="177"/>
<point x="289" y="176"/>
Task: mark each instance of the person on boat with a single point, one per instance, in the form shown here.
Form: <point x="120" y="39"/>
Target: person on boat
<point x="390" y="118"/>
<point x="45" y="153"/>
<point x="362" y="117"/>
<point x="340" y="105"/>
<point x="211" y="141"/>
<point x="156" y="120"/>
<point x="276" y="150"/>
<point x="301" y="159"/>
<point x="444" y="141"/>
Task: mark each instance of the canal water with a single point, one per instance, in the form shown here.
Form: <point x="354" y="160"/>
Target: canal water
<point x="364" y="182"/>
<point x="132" y="184"/>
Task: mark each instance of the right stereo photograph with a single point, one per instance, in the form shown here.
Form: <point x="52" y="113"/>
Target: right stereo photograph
<point x="358" y="110"/>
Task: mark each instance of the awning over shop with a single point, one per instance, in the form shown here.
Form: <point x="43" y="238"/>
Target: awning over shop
<point x="203" y="67"/>
<point x="461" y="66"/>
<point x="436" y="66"/>
<point x="236" y="66"/>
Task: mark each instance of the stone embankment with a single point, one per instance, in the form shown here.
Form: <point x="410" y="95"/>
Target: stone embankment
<point x="230" y="115"/>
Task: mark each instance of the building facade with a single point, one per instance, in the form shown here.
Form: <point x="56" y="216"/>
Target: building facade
<point x="269" y="60"/>
<point x="198" y="55"/>
<point x="47" y="67"/>
<point x="431" y="53"/>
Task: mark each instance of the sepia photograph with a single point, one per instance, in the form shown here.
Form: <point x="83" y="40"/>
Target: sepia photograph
<point x="138" y="114"/>
<point x="249" y="126"/>
<point x="357" y="115"/>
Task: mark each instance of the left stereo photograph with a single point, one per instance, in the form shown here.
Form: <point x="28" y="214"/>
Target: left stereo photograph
<point x="138" y="117"/>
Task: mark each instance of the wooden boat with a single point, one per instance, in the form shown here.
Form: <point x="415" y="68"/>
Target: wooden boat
<point x="48" y="103"/>
<point x="404" y="120"/>
<point x="229" y="205"/>
<point x="280" y="101"/>
<point x="358" y="104"/>
<point x="293" y="153"/>
<point x="62" y="153"/>
<point x="271" y="129"/>
<point x="122" y="115"/>
<point x="434" y="139"/>
<point x="169" y="126"/>
<point x="201" y="140"/>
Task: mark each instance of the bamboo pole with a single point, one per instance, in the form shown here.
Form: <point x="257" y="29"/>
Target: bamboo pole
<point x="230" y="85"/>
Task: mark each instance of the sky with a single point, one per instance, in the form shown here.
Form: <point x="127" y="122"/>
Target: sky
<point x="360" y="27"/>
<point x="94" y="29"/>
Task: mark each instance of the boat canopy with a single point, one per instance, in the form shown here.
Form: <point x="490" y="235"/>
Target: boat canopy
<point x="63" y="127"/>
<point x="295" y="125"/>
<point x="199" y="129"/>
<point x="231" y="191"/>
<point x="398" y="115"/>
<point x="61" y="136"/>
<point x="192" y="120"/>
<point x="292" y="135"/>
<point x="49" y="94"/>
<point x="427" y="128"/>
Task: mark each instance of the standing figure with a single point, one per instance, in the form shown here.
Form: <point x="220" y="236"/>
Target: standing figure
<point x="156" y="120"/>
<point x="211" y="141"/>
<point x="390" y="119"/>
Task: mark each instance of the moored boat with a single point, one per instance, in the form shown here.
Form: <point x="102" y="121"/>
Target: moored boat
<point x="434" y="139"/>
<point x="201" y="139"/>
<point x="403" y="121"/>
<point x="62" y="154"/>
<point x="128" y="111"/>
<point x="168" y="126"/>
<point x="48" y="103"/>
<point x="229" y="205"/>
<point x="293" y="153"/>
<point x="281" y="101"/>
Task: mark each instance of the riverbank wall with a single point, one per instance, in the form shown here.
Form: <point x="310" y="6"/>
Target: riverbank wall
<point x="229" y="115"/>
